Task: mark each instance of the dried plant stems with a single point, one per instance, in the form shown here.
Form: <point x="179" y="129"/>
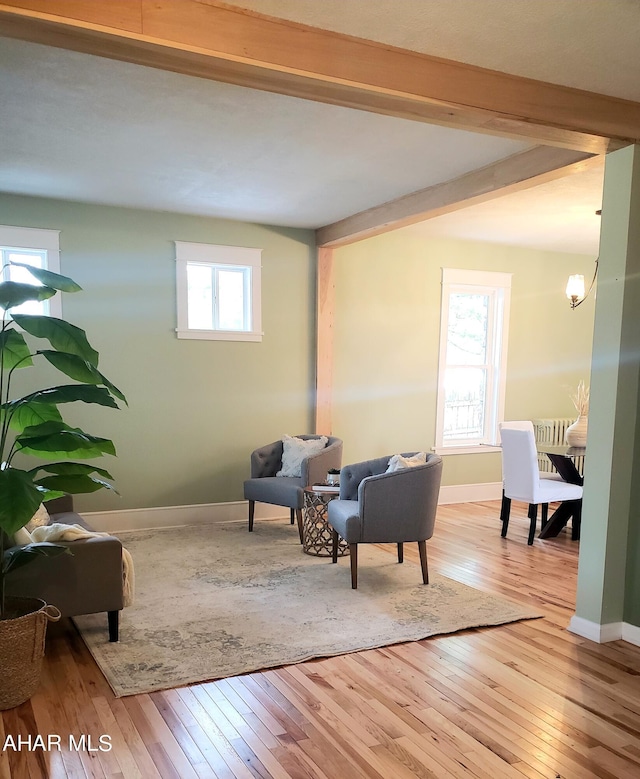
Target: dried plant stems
<point x="580" y="399"/>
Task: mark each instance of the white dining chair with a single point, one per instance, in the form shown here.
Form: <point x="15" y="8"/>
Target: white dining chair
<point x="522" y="480"/>
<point x="521" y="424"/>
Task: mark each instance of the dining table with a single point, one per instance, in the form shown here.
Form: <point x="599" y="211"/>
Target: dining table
<point x="563" y="458"/>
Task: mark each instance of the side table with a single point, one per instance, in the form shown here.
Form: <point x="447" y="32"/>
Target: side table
<point x="316" y="533"/>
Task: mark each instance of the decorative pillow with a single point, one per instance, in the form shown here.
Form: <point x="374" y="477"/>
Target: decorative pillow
<point x="398" y="462"/>
<point x="22" y="536"/>
<point x="295" y="450"/>
<point x="41" y="517"/>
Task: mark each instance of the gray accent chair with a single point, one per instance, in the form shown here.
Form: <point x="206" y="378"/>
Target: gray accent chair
<point x="376" y="507"/>
<point x="265" y="487"/>
<point x="86" y="581"/>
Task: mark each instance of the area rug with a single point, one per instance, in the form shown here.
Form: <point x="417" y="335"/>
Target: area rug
<point x="217" y="601"/>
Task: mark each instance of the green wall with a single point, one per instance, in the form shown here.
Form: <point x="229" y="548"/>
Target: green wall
<point x="609" y="566"/>
<point x="196" y="408"/>
<point x="386" y="341"/>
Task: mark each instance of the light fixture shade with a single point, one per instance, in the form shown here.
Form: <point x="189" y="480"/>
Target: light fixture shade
<point x="575" y="287"/>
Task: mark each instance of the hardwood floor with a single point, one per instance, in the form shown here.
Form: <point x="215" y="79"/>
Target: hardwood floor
<point x="527" y="699"/>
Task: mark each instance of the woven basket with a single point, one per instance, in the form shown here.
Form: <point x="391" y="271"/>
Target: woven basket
<point x="22" y="648"/>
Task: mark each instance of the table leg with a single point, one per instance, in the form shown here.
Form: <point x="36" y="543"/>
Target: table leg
<point x="566" y="468"/>
<point x="316" y="534"/>
<point x="565" y="511"/>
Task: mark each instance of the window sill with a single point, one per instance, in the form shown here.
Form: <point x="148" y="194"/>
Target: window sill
<point x="467" y="449"/>
<point x="218" y="335"/>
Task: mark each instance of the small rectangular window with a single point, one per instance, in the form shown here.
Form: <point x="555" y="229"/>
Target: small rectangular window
<point x="30" y="246"/>
<point x="218" y="292"/>
<point x="472" y="366"/>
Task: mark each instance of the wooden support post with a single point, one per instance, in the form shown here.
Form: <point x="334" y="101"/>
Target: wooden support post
<point x="325" y="286"/>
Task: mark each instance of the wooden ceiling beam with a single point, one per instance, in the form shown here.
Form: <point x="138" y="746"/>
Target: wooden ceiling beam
<point x="529" y="168"/>
<point x="209" y="39"/>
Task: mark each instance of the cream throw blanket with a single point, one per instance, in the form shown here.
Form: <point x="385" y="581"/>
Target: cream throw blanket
<point x="57" y="531"/>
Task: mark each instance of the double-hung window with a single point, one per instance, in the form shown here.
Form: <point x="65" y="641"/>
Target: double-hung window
<point x="30" y="246"/>
<point x="218" y="292"/>
<point x="473" y="352"/>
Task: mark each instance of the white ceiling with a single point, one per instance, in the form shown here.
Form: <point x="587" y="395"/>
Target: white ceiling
<point x="84" y="128"/>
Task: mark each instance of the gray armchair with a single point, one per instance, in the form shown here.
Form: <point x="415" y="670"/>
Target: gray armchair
<point x="265" y="487"/>
<point x="375" y="507"/>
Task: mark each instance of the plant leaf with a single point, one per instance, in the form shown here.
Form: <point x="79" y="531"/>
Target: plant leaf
<point x="18" y="556"/>
<point x="19" y="499"/>
<point x="74" y="484"/>
<point x="64" y="337"/>
<point x="70" y="393"/>
<point x="50" y="494"/>
<point x="29" y="414"/>
<point x="14" y="350"/>
<point x="51" y="279"/>
<point x="55" y="439"/>
<point x="71" y="468"/>
<point x="15" y="293"/>
<point x="80" y="370"/>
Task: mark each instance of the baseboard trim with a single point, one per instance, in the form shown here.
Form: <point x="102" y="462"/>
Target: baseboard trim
<point x="470" y="493"/>
<point x="602" y="634"/>
<point x="122" y="520"/>
<point x="179" y="516"/>
<point x="631" y="634"/>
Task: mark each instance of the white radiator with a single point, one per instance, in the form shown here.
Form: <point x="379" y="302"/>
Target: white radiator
<point x="551" y="431"/>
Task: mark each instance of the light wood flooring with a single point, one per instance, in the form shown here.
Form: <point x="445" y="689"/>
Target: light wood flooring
<point x="527" y="699"/>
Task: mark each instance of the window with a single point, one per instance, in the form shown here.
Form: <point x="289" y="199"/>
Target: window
<point x="473" y="353"/>
<point x="218" y="292"/>
<point x="30" y="246"/>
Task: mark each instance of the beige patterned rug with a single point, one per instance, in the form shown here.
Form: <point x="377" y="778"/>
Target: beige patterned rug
<point x="217" y="601"/>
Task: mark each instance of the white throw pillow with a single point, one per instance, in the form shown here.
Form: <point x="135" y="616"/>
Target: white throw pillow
<point x="398" y="462"/>
<point x="22" y="536"/>
<point x="295" y="450"/>
<point x="41" y="517"/>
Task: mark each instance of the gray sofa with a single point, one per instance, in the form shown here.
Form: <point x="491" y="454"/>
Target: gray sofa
<point x="86" y="581"/>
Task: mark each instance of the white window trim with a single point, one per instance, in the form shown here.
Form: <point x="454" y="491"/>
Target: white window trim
<point x="39" y="239"/>
<point x="216" y="254"/>
<point x="470" y="279"/>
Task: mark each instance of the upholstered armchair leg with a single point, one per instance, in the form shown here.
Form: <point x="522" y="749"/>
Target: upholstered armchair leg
<point x="353" y="553"/>
<point x="533" y="516"/>
<point x="299" y="516"/>
<point x="252" y="511"/>
<point x="113" y="618"/>
<point x="400" y="553"/>
<point x="422" y="547"/>
<point x="504" y="514"/>
<point x="293" y="516"/>
<point x="334" y="546"/>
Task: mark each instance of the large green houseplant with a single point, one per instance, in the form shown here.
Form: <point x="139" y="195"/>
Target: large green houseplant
<point x="32" y="425"/>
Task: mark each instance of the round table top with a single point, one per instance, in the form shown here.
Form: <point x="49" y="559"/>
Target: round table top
<point x="323" y="489"/>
